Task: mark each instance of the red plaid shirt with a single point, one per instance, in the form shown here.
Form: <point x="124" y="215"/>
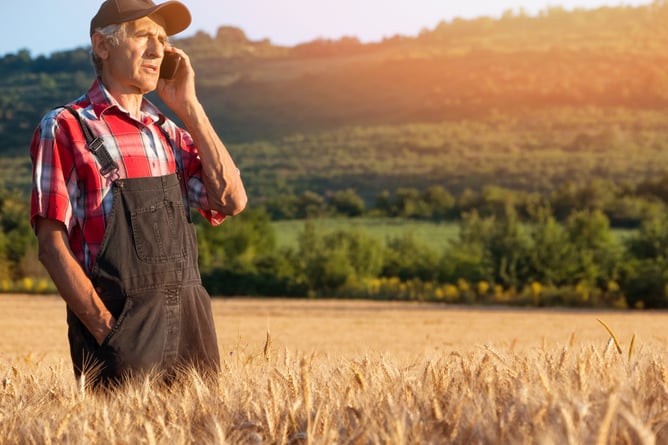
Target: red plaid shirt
<point x="67" y="185"/>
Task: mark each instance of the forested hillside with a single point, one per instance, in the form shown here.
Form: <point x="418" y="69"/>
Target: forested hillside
<point x="464" y="68"/>
<point x="537" y="135"/>
<point x="468" y="102"/>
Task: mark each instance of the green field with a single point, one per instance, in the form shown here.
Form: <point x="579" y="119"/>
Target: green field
<point x="436" y="235"/>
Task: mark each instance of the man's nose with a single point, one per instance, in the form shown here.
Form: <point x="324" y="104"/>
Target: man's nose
<point x="155" y="48"/>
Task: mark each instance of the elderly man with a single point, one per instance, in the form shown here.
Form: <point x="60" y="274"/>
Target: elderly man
<point x="113" y="184"/>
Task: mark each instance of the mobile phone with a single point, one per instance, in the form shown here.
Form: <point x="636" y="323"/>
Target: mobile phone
<point x="169" y="66"/>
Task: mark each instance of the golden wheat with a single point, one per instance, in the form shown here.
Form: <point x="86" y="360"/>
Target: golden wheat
<point x="574" y="390"/>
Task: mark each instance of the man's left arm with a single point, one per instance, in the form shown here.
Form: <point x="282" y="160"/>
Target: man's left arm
<point x="220" y="174"/>
<point x="225" y="189"/>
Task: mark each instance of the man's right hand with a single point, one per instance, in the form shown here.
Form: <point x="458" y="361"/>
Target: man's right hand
<point x="71" y="280"/>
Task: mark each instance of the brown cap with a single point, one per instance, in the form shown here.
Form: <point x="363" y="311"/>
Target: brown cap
<point x="176" y="15"/>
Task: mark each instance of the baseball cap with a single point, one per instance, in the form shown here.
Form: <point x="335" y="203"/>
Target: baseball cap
<point x="176" y="15"/>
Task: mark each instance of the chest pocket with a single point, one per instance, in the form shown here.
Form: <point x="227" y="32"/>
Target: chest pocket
<point x="155" y="232"/>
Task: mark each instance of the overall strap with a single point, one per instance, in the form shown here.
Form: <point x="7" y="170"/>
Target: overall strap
<point x="95" y="145"/>
<point x="178" y="158"/>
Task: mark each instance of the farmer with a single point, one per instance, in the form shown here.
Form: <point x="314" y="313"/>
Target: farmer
<point x="113" y="184"/>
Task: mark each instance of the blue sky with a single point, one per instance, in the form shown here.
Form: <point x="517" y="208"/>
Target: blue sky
<point x="44" y="26"/>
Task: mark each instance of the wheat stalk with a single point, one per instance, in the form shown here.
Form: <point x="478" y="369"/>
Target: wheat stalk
<point x="267" y="347"/>
<point x="612" y="334"/>
<point x="633" y="340"/>
<point x="359" y="378"/>
<point x="645" y="435"/>
<point x="604" y="428"/>
<point x="436" y="409"/>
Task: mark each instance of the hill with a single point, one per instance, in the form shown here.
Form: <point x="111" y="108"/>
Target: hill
<point x="521" y="101"/>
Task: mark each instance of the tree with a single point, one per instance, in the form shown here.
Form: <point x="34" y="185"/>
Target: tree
<point x="551" y="253"/>
<point x="406" y="203"/>
<point x="408" y="258"/>
<point x="645" y="276"/>
<point x="310" y="205"/>
<point x="18" y="239"/>
<point x="468" y="256"/>
<point x="347" y="202"/>
<point x="439" y="201"/>
<point x="596" y="251"/>
<point x="4" y="264"/>
<point x="237" y="242"/>
<point x="328" y="261"/>
<point x="507" y="247"/>
<point x="499" y="245"/>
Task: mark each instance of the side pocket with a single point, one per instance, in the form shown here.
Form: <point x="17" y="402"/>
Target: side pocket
<point x="137" y="340"/>
<point x="119" y="322"/>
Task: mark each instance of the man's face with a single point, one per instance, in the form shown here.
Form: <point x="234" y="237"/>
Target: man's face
<point x="134" y="65"/>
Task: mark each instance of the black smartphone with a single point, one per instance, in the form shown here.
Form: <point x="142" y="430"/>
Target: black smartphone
<point x="169" y="66"/>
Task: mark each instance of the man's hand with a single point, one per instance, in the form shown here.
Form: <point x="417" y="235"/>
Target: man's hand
<point x="70" y="279"/>
<point x="224" y="187"/>
<point x="179" y="93"/>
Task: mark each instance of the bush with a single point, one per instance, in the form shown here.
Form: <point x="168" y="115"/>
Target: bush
<point x="408" y="258"/>
<point x="347" y="202"/>
<point x="645" y="276"/>
<point x="327" y="261"/>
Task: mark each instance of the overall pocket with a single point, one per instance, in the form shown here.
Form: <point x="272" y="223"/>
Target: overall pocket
<point x="154" y="229"/>
<point x="137" y="341"/>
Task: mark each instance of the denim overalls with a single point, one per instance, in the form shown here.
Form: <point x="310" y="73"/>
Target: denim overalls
<point x="147" y="275"/>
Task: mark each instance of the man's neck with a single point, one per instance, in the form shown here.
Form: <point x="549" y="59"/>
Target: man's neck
<point x="131" y="101"/>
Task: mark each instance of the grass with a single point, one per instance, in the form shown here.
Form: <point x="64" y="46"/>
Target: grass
<point x="320" y="372"/>
<point x="437" y="235"/>
<point x="15" y="173"/>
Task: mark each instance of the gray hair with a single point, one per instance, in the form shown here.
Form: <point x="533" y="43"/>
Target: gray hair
<point x="113" y="34"/>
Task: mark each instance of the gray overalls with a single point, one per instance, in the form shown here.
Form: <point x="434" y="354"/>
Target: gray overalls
<point x="147" y="275"/>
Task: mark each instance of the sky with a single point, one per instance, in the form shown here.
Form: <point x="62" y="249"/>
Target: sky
<point x="45" y="26"/>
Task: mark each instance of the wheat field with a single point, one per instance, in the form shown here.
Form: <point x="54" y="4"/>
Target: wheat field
<point x="355" y="372"/>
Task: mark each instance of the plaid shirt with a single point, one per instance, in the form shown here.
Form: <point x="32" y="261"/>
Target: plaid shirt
<point x="67" y="185"/>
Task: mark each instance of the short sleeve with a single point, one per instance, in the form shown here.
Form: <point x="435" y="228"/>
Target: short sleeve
<point x="53" y="172"/>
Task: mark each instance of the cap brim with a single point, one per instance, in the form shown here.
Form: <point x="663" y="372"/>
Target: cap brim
<point x="176" y="15"/>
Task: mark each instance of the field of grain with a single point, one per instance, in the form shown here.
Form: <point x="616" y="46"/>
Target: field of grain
<point x="356" y="372"/>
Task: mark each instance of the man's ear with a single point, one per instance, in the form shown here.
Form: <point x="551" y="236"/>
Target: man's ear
<point x="100" y="46"/>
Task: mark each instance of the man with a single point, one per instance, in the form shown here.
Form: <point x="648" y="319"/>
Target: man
<point x="113" y="182"/>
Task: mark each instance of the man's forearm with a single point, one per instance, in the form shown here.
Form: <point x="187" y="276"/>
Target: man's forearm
<point x="72" y="283"/>
<point x="220" y="174"/>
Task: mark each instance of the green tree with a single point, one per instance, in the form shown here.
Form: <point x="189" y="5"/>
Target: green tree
<point x="406" y="203"/>
<point x="468" y="256"/>
<point x="645" y="276"/>
<point x="383" y="205"/>
<point x="596" y="252"/>
<point x="237" y="242"/>
<point x="347" y="202"/>
<point x="282" y="206"/>
<point x="4" y="264"/>
<point x="498" y="243"/>
<point x="408" y="257"/>
<point x="18" y="238"/>
<point x="310" y="205"/>
<point x="508" y="247"/>
<point x="328" y="261"/>
<point x="551" y="253"/>
<point x="439" y="201"/>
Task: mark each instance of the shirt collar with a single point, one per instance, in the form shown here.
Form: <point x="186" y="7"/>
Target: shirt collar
<point x="102" y="102"/>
